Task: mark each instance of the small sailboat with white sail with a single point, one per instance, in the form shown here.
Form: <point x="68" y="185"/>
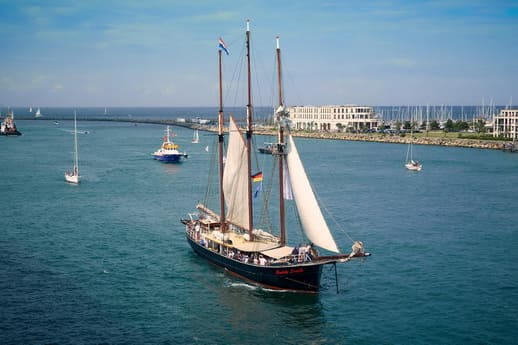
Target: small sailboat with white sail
<point x="38" y="113"/>
<point x="195" y="137"/>
<point x="410" y="163"/>
<point x="226" y="234"/>
<point x="72" y="176"/>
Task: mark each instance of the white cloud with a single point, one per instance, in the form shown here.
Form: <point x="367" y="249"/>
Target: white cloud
<point x="57" y="87"/>
<point x="402" y="62"/>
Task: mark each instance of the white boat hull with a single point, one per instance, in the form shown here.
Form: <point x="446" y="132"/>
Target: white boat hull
<point x="71" y="178"/>
<point x="413" y="167"/>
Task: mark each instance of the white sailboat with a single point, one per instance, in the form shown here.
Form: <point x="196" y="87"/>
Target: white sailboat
<point x="72" y="176"/>
<point x="38" y="113"/>
<point x="410" y="163"/>
<point x="195" y="137"/>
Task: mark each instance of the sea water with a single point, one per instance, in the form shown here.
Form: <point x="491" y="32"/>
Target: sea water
<point x="106" y="261"/>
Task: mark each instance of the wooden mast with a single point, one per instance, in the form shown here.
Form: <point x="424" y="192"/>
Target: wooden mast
<point x="222" y="219"/>
<point x="280" y="148"/>
<point x="76" y="159"/>
<point x="249" y="134"/>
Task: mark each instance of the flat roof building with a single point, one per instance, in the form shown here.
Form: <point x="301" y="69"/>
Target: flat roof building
<point x="505" y="124"/>
<point x="333" y="118"/>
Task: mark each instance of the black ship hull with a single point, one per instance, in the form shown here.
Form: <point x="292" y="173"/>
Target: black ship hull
<point x="292" y="277"/>
<point x="11" y="133"/>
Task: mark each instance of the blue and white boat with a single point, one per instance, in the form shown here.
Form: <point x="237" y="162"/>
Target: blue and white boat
<point x="168" y="152"/>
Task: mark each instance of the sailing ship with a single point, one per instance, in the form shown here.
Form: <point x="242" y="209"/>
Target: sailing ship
<point x="38" y="113"/>
<point x="228" y="238"/>
<point x="72" y="176"/>
<point x="195" y="137"/>
<point x="8" y="126"/>
<point x="168" y="152"/>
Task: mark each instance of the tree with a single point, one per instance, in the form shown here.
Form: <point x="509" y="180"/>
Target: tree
<point x="448" y="127"/>
<point x="434" y="125"/>
<point x="480" y="126"/>
<point x="461" y="126"/>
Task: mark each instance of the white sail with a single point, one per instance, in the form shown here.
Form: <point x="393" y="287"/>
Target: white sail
<point x="76" y="158"/>
<point x="73" y="176"/>
<point x="313" y="222"/>
<point x="235" y="178"/>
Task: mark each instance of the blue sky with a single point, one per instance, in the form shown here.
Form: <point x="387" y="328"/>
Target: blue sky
<point x="164" y="53"/>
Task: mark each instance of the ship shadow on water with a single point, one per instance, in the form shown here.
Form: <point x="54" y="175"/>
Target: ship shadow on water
<point x="171" y="168"/>
<point x="246" y="303"/>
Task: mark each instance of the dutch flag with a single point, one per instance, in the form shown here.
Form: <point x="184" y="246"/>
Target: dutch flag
<point x="223" y="46"/>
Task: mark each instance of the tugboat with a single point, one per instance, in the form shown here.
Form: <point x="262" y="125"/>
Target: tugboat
<point x="168" y="152"/>
<point x="8" y="127"/>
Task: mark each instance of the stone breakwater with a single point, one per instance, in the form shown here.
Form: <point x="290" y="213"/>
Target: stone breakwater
<point x="383" y="138"/>
<point x="394" y="139"/>
<point x="439" y="141"/>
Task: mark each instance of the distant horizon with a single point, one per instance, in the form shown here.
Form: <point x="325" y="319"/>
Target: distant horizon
<point x="260" y="113"/>
<point x="255" y="106"/>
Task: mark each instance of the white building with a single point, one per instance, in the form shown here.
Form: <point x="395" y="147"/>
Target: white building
<point x="505" y="124"/>
<point x="333" y="117"/>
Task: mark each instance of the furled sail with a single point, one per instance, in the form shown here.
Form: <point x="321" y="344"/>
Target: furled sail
<point x="313" y="222"/>
<point x="235" y="175"/>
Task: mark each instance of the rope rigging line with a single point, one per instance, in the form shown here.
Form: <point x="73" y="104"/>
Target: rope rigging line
<point x="265" y="219"/>
<point x="213" y="167"/>
<point x="324" y="206"/>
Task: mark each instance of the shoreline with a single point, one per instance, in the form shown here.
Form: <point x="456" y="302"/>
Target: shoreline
<point x="390" y="139"/>
<point x="395" y="139"/>
<point x="369" y="137"/>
